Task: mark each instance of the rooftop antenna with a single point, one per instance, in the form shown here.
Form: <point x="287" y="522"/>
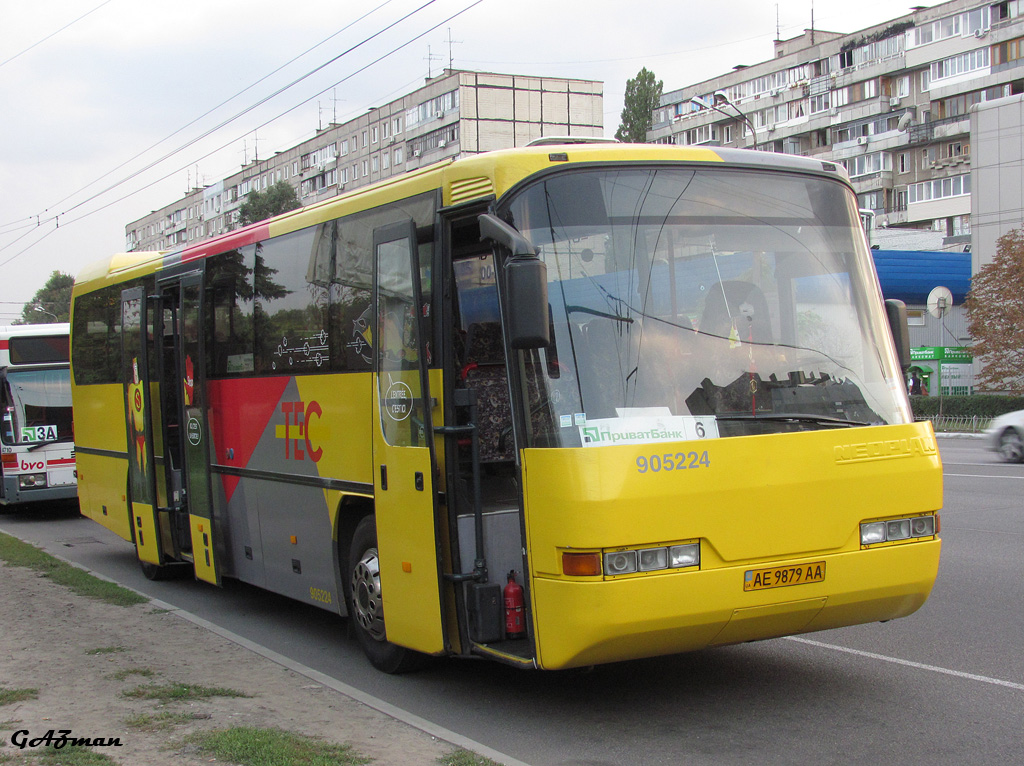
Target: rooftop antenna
<point x="451" y="42"/>
<point x="431" y="57"/>
<point x="812" y="22"/>
<point x="256" y="146"/>
<point x="778" y="31"/>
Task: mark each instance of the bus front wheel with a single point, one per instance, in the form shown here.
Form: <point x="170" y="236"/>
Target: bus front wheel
<point x="366" y="607"/>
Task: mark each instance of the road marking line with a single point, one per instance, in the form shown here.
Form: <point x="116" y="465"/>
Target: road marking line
<point x="980" y="476"/>
<point x="909" y="663"/>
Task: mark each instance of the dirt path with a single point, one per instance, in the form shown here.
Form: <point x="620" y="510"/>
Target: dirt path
<point x="49" y="640"/>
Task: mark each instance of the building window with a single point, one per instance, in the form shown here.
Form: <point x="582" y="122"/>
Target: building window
<point x="940" y="188"/>
<point x="399" y="155"/>
<point x="972" y="61"/>
<point x="868" y="163"/>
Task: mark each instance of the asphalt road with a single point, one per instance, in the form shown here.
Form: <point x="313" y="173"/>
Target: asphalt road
<point x="944" y="685"/>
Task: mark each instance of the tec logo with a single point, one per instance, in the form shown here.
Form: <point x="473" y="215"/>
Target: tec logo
<point x="295" y="432"/>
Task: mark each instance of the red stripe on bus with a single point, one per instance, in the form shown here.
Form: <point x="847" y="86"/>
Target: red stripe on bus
<point x="4" y="345"/>
<point x="232" y="241"/>
<point x="242" y="408"/>
<point x="61" y="461"/>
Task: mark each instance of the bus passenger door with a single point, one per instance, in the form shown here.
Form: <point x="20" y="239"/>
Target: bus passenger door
<point x="403" y="448"/>
<point x="139" y="425"/>
<point x="196" y="432"/>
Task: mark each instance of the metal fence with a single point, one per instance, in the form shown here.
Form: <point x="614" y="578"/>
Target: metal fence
<point x="958" y="423"/>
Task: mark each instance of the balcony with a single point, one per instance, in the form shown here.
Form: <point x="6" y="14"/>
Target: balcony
<point x="939" y="129"/>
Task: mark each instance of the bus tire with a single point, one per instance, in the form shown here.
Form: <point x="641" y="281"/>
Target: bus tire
<point x="155" y="572"/>
<point x="366" y="612"/>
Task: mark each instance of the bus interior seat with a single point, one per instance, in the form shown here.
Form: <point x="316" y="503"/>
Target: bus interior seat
<point x="740" y="304"/>
<point x="485" y="372"/>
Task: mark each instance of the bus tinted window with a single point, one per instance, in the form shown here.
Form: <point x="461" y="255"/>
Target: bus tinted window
<point x="291" y="301"/>
<point x="230" y="301"/>
<point x="41" y="350"/>
<point x="96" y="328"/>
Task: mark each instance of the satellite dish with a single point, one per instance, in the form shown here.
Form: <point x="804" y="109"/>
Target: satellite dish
<point x="940" y="300"/>
<point x="904" y="121"/>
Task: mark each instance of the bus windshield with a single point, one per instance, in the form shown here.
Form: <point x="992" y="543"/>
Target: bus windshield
<point x="37" y="407"/>
<point x="695" y="303"/>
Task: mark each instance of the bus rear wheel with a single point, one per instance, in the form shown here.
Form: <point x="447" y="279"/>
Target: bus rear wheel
<point x="366" y="606"/>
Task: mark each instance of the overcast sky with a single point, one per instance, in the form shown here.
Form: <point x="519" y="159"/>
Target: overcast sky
<point x="93" y="92"/>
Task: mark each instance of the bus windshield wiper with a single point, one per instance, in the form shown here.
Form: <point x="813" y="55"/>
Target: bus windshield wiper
<point x="800" y="417"/>
<point x="595" y="312"/>
<point x="37" y="445"/>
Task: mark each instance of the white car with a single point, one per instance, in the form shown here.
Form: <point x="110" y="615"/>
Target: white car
<point x="1006" y="436"/>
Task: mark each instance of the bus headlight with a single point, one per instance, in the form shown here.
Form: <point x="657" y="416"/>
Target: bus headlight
<point x="653" y="558"/>
<point x="872" y="532"/>
<point x="684" y="555"/>
<point x="897" y="530"/>
<point x="922" y="526"/>
<point x="32" y="480"/>
<point x="637" y="560"/>
<point x="619" y="562"/>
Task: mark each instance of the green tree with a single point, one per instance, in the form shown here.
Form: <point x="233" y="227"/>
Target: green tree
<point x="995" y="316"/>
<point x="52" y="303"/>
<point x="278" y="198"/>
<point x="643" y="94"/>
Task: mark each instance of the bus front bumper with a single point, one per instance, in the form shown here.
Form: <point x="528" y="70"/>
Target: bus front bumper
<point x="580" y="623"/>
<point x="13" y="494"/>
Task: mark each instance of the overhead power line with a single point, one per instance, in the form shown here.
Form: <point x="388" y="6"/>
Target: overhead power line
<point x="52" y="34"/>
<point x="56" y="218"/>
<point x="226" y="101"/>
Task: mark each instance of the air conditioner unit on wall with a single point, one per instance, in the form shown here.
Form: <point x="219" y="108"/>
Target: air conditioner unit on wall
<point x="894" y="101"/>
<point x="862" y="141"/>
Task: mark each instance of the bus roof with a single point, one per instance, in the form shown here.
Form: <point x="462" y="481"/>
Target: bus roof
<point x="477" y="177"/>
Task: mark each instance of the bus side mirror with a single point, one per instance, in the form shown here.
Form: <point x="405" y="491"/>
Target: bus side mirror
<point x="527" y="283"/>
<point x="896" y="312"/>
<point x="528" y="325"/>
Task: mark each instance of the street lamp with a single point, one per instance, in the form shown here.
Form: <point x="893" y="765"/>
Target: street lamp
<point x="41" y="310"/>
<point x="720" y="99"/>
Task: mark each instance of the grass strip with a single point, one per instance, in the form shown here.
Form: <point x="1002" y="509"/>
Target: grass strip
<point x="462" y="757"/>
<point x="167" y="693"/>
<point x="10" y="696"/>
<point x="20" y="554"/>
<point x="249" y="746"/>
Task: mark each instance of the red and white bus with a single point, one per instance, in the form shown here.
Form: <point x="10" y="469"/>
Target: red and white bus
<point x="38" y="443"/>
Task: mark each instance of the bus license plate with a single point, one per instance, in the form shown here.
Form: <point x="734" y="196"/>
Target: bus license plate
<point x="781" y="577"/>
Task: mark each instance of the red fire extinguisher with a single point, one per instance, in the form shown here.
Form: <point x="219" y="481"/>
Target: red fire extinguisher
<point x="514" y="627"/>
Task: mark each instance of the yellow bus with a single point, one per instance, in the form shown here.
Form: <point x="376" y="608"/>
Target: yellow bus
<point x="657" y="387"/>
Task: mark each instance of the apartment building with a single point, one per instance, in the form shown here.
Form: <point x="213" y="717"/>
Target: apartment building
<point x="891" y="103"/>
<point x="454" y="114"/>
